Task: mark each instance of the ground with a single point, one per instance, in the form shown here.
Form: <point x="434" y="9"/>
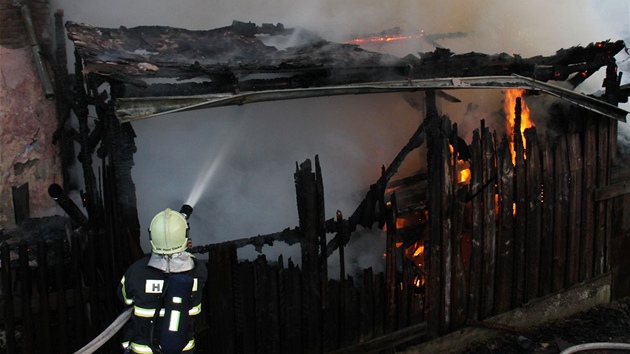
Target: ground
<point x="605" y="323"/>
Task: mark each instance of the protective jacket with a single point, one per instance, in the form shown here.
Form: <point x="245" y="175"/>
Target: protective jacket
<point x="142" y="286"/>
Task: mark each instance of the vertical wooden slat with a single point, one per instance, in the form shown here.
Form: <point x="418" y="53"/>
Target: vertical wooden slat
<point x="274" y="308"/>
<point x="561" y="216"/>
<point x="521" y="207"/>
<point x="379" y="304"/>
<point x="294" y="308"/>
<point x="403" y="292"/>
<point x="476" y="257"/>
<point x="44" y="306"/>
<point x="220" y="294"/>
<point x="445" y="214"/>
<point x="588" y="211"/>
<point x="78" y="312"/>
<point x="7" y="299"/>
<point x="458" y="278"/>
<point x="612" y="153"/>
<point x="575" y="202"/>
<point x="534" y="215"/>
<point x="390" y="266"/>
<point x="548" y="216"/>
<point x="505" y="234"/>
<point x="261" y="284"/>
<point x="332" y="319"/>
<point x="489" y="221"/>
<point x="62" y="314"/>
<point x="26" y="282"/>
<point x="367" y="305"/>
<point x="603" y="164"/>
<point x="459" y="283"/>
<point x="244" y="308"/>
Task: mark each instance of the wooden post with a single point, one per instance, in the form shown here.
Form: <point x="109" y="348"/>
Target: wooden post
<point x="62" y="314"/>
<point x="505" y="236"/>
<point x="308" y="213"/>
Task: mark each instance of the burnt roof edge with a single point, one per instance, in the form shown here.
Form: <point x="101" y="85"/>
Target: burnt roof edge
<point x="131" y="109"/>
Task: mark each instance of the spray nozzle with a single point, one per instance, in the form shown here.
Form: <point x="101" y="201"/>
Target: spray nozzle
<point x="186" y="210"/>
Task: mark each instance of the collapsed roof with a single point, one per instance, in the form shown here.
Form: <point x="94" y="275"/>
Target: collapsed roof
<point x="164" y="69"/>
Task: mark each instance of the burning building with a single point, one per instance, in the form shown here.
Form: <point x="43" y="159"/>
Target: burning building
<point x="467" y="235"/>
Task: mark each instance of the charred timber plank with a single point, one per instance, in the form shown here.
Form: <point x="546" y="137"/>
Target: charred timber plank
<point x="521" y="209"/>
<point x="588" y="210"/>
<point x="505" y="234"/>
<point x="561" y="216"/>
<point x="390" y="266"/>
<point x="7" y="299"/>
<point x="575" y="207"/>
<point x="534" y="214"/>
<point x="489" y="229"/>
<point x="26" y="282"/>
<point x="387" y="342"/>
<point x="546" y="256"/>
<point x="368" y="203"/>
<point x="476" y="183"/>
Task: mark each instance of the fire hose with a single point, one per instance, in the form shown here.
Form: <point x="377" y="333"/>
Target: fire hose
<point x="107" y="334"/>
<point x="596" y="346"/>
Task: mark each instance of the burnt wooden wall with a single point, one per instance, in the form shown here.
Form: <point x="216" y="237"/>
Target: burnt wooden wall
<point x="537" y="226"/>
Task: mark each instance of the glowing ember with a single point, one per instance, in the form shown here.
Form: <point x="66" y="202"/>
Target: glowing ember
<point x="508" y="106"/>
<point x="384" y="38"/>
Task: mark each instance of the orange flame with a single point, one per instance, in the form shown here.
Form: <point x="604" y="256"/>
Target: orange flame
<point x="508" y="106"/>
<point x="464" y="175"/>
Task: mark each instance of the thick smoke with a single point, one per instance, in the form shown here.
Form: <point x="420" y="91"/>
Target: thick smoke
<point x="252" y="190"/>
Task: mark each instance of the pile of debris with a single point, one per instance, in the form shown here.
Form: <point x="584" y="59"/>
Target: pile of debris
<point x="604" y="323"/>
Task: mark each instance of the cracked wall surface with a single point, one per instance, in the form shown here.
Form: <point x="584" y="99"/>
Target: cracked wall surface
<point x="27" y="124"/>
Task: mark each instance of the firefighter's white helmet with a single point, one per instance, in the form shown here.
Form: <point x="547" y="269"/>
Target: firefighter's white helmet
<point x="168" y="232"/>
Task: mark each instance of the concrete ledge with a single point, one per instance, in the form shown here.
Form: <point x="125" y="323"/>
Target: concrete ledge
<point x="578" y="298"/>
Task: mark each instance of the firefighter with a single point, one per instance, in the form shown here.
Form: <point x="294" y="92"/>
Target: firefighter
<point x="165" y="290"/>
